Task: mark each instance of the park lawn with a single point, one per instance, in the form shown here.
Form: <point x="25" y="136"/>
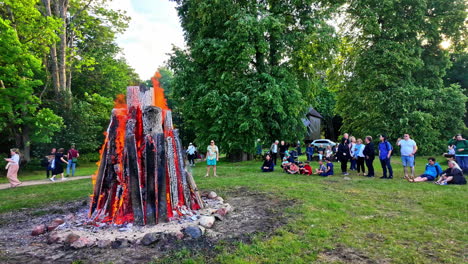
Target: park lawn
<point x="83" y="169"/>
<point x="383" y="220"/>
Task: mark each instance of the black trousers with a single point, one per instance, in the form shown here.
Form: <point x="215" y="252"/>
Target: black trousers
<point x="344" y="164"/>
<point x="274" y="156"/>
<point x="370" y="166"/>
<point x="360" y="165"/>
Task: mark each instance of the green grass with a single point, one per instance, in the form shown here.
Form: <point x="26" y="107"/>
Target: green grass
<point x="392" y="221"/>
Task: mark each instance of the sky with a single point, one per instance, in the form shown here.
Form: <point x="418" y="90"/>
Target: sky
<point x="153" y="29"/>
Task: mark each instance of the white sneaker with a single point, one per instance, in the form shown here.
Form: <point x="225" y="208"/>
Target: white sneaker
<point x="52" y="179"/>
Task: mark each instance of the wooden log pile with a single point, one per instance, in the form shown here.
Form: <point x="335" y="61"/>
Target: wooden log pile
<point x="142" y="177"/>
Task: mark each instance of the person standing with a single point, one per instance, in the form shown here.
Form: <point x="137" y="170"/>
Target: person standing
<point x="461" y="151"/>
<point x="352" y="149"/>
<point x="13" y="167"/>
<point x="385" y="152"/>
<point x="212" y="156"/>
<point x="359" y="156"/>
<point x="310" y="152"/>
<point x="408" y="148"/>
<point x="274" y="151"/>
<point x="369" y="155"/>
<point x="58" y="165"/>
<point x="283" y="147"/>
<point x="343" y="155"/>
<point x="72" y="156"/>
<point x="50" y="157"/>
<point x="191" y="154"/>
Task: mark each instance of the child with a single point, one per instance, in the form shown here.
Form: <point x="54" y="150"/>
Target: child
<point x="328" y="152"/>
<point x="307" y="169"/>
<point x="321" y="169"/>
<point x="285" y="164"/>
<point x="329" y="171"/>
<point x="293" y="169"/>
<point x="451" y="152"/>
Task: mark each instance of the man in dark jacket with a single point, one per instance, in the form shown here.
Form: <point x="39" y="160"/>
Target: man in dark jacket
<point x="369" y="154"/>
<point x="343" y="155"/>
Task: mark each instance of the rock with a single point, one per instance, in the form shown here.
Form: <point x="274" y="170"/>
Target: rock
<point x="212" y="195"/>
<point x="54" y="224"/>
<point x="39" y="230"/>
<point x="207" y="211"/>
<point x="207" y="221"/>
<point x="193" y="231"/>
<point x="53" y="238"/>
<point x="347" y="178"/>
<point x="212" y="234"/>
<point x="228" y="207"/>
<point x="178" y="235"/>
<point x="151" y="238"/>
<point x="219" y="198"/>
<point x="221" y="212"/>
<point x="81" y="243"/>
<point x="70" y="238"/>
<point x="203" y="230"/>
<point x="119" y="243"/>
<point x="103" y="243"/>
<point x="218" y="217"/>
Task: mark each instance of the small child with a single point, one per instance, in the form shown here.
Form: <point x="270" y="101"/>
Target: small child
<point x="329" y="170"/>
<point x="293" y="169"/>
<point x="451" y="152"/>
<point x="321" y="169"/>
<point x="307" y="169"/>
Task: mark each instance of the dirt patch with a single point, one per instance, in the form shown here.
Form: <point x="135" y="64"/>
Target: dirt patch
<point x="253" y="213"/>
<point x="342" y="254"/>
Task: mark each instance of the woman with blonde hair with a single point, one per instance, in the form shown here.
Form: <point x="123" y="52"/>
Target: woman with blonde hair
<point x="452" y="175"/>
<point x="13" y="167"/>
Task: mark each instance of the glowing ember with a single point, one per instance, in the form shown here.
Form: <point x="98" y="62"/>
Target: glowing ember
<point x="141" y="177"/>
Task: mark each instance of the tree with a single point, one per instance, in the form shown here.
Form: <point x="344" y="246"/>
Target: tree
<point x="248" y="69"/>
<point x="22" y="119"/>
<point x="392" y="82"/>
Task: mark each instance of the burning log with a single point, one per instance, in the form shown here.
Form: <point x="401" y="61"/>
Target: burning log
<point x="141" y="176"/>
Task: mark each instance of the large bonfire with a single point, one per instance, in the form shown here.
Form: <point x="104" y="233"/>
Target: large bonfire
<point x="142" y="177"/>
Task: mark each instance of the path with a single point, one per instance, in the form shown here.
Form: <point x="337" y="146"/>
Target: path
<point x="45" y="181"/>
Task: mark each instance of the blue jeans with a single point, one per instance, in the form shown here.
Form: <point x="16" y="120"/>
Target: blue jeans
<point x="462" y="162"/>
<point x="73" y="166"/>
<point x="386" y="164"/>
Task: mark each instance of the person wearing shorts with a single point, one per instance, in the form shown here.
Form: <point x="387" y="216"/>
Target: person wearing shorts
<point x="212" y="156"/>
<point x="408" y="148"/>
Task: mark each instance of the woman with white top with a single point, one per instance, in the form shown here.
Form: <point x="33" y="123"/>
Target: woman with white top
<point x="13" y="167"/>
<point x="212" y="156"/>
<point x="191" y="154"/>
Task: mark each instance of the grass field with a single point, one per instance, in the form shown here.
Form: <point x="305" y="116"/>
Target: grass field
<point x="383" y="221"/>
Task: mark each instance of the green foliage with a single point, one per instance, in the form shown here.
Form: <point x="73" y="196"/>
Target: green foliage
<point x="20" y="111"/>
<point x="250" y="69"/>
<point x="392" y="80"/>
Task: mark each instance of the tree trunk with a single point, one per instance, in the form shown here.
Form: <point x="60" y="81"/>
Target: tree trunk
<point x="239" y="155"/>
<point x="53" y="53"/>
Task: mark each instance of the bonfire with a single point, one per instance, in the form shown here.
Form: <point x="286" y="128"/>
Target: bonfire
<point x="142" y="177"/>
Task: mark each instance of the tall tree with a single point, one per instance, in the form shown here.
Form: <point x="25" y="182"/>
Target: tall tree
<point x="393" y="79"/>
<point x="247" y="72"/>
<point x="22" y="119"/>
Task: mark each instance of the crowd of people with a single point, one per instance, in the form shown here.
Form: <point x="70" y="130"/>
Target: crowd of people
<point x="361" y="155"/>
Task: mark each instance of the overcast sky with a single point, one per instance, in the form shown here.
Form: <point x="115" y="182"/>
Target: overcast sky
<point x="153" y="28"/>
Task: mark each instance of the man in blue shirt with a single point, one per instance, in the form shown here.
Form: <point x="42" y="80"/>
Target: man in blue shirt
<point x="385" y="152"/>
<point x="433" y="170"/>
<point x="407" y="148"/>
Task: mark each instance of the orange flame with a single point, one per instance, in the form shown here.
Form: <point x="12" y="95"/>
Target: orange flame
<point x="120" y="101"/>
<point x="158" y="99"/>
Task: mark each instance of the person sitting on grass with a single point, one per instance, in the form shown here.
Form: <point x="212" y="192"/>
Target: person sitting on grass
<point x="306" y="169"/>
<point x="268" y="165"/>
<point x="329" y="170"/>
<point x="452" y="175"/>
<point x="285" y="164"/>
<point x="433" y="170"/>
<point x="321" y="169"/>
<point x="293" y="169"/>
